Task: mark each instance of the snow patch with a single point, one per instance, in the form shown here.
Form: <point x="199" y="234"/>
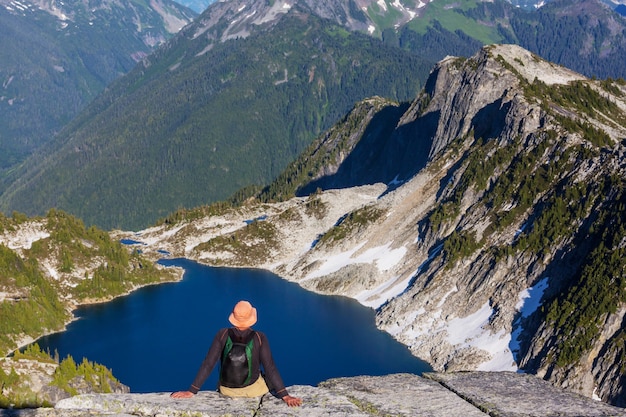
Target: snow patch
<point x="463" y="330"/>
<point x="382" y="256"/>
<point x="277" y="8"/>
<point x="334" y="263"/>
<point x="498" y="347"/>
<point x="393" y="287"/>
<point x="385" y="257"/>
<point x="529" y="301"/>
<point x="51" y="270"/>
<point x="376" y="297"/>
<point x="594" y="395"/>
<point x="398" y="5"/>
<point x="25" y="237"/>
<point x="471" y="331"/>
<point x="399" y="326"/>
<point x="426" y="327"/>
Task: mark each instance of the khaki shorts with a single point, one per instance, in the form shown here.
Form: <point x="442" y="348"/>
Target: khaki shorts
<point x="257" y="389"/>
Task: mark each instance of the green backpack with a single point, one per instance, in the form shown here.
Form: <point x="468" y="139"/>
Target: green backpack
<point x="236" y="363"/>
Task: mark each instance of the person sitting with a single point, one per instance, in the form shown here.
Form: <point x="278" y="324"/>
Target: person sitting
<point x="234" y="347"/>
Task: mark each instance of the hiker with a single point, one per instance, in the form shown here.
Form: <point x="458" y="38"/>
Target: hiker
<point x="234" y="346"/>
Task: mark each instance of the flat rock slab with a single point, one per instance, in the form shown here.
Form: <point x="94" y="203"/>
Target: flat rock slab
<point x="401" y="395"/>
<point x="467" y="394"/>
<point x="391" y="395"/>
<point x="316" y="402"/>
<point x="205" y="403"/>
<point x="509" y="394"/>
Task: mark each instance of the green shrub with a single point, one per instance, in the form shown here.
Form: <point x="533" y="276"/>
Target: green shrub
<point x="249" y="245"/>
<point x="459" y="244"/>
<point x="354" y="221"/>
<point x="315" y="207"/>
<point x="97" y="377"/>
<point x="33" y="352"/>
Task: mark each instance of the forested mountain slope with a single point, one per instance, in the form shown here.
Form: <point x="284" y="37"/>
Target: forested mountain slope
<point x="199" y="119"/>
<point x="57" y="56"/>
<point x="236" y="96"/>
<point x="485" y="221"/>
<point x="48" y="267"/>
<point x="587" y="36"/>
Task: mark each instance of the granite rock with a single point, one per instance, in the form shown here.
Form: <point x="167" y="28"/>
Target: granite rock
<point x="521" y="395"/>
<point x="468" y="394"/>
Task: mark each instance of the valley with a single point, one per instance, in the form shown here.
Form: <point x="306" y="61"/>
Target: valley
<point x="184" y="124"/>
<point x="473" y="196"/>
<point x="498" y="208"/>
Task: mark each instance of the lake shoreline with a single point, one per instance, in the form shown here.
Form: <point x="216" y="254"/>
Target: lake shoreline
<point x="179" y="322"/>
<point x="72" y="307"/>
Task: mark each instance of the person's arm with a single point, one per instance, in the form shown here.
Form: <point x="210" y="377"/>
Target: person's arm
<point x="292" y="401"/>
<point x="273" y="376"/>
<point x="207" y="366"/>
<point x="182" y="394"/>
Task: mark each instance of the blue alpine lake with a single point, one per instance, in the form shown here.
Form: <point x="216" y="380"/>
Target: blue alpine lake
<point x="155" y="339"/>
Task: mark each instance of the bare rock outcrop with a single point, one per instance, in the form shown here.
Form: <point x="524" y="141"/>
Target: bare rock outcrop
<point x="473" y="394"/>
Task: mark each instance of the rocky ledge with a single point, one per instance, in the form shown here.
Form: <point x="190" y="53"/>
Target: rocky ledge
<point x="468" y="394"/>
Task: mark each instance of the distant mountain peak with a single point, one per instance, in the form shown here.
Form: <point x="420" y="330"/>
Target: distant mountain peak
<point x="531" y="66"/>
<point x="22" y="7"/>
<point x="371" y="16"/>
<point x="174" y="16"/>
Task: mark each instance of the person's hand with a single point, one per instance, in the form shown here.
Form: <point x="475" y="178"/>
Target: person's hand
<point x="182" y="394"/>
<point x="292" y="401"/>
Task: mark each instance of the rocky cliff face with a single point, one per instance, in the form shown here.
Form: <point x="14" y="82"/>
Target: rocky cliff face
<point x="485" y="221"/>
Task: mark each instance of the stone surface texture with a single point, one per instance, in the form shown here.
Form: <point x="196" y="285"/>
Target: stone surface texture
<point x="467" y="394"/>
<point x="521" y="395"/>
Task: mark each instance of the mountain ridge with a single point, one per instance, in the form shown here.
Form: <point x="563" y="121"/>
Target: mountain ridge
<point x="183" y="143"/>
<point x="202" y="95"/>
<point x="57" y="56"/>
<point x="455" y="250"/>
